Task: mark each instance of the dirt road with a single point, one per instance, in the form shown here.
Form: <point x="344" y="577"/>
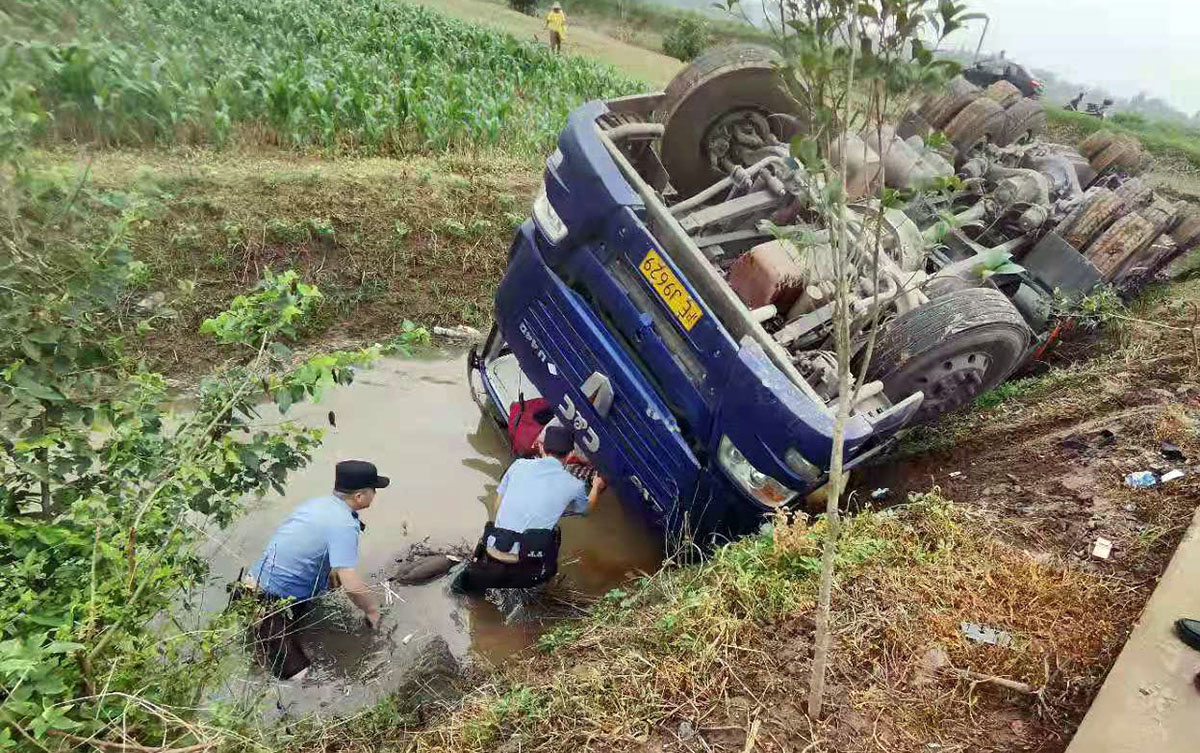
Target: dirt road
<point x="638" y="62"/>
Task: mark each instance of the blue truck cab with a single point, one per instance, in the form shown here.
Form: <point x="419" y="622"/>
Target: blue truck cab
<point x="676" y="393"/>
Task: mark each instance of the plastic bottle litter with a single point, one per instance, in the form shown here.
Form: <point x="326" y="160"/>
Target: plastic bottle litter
<point x="881" y="493"/>
<point x="1141" y="480"/>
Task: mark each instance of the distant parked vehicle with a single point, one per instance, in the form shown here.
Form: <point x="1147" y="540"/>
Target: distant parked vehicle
<point x="987" y="72"/>
<point x="1099" y="110"/>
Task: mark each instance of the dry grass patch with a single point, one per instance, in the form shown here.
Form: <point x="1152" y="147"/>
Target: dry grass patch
<point x="386" y="240"/>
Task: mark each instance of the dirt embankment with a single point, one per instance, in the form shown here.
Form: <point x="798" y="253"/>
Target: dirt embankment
<point x="999" y="533"/>
<point x="386" y="240"/>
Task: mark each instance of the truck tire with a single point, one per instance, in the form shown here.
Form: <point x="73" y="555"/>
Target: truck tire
<point x="1186" y="232"/>
<point x="1096" y="143"/>
<point x="940" y="110"/>
<point x="1003" y="93"/>
<point x="1100" y="208"/>
<point x="913" y="124"/>
<point x="951" y="349"/>
<point x="1121" y="154"/>
<point x="1135" y="193"/>
<point x="1121" y="242"/>
<point x="979" y="122"/>
<point x="720" y="84"/>
<point x="1024" y="121"/>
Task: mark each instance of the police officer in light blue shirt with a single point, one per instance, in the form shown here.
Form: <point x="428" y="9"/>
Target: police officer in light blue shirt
<point x="315" y="548"/>
<point x="520" y="549"/>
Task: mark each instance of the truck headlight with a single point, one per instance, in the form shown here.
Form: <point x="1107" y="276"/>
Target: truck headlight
<point x="765" y="489"/>
<point x="801" y="465"/>
<point x="547" y="219"/>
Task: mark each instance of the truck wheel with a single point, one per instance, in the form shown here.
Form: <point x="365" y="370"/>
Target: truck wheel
<point x="939" y="110"/>
<point x="1186" y="232"/>
<point x="979" y="122"/>
<point x="951" y="349"/>
<point x="1121" y="242"/>
<point x="1024" y="121"/>
<point x="1096" y="143"/>
<point x="1003" y="93"/>
<point x="1121" y="154"/>
<point x="719" y="102"/>
<point x="1100" y="208"/>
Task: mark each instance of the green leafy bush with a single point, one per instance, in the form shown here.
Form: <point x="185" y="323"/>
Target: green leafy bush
<point x="279" y="306"/>
<point x="687" y="39"/>
<point x="108" y="487"/>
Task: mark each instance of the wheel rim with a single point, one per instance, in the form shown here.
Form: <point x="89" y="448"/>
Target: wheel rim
<point x="953" y="381"/>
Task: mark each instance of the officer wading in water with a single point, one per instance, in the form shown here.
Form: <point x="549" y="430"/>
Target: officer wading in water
<point x="314" y="549"/>
<point x="520" y="549"/>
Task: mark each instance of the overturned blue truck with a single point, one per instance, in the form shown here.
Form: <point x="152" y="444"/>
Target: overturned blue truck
<point x="654" y="303"/>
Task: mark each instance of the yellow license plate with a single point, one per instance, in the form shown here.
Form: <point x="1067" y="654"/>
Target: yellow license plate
<point x="668" y="287"/>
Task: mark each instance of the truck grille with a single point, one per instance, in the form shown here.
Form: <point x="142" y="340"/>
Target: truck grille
<point x="627" y="424"/>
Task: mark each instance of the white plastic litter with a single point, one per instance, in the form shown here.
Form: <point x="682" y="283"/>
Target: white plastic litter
<point x="1170" y="476"/>
<point x="1102" y="548"/>
<point x="989" y="635"/>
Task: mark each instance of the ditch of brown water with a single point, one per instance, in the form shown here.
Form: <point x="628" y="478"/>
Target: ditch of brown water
<point x="415" y="419"/>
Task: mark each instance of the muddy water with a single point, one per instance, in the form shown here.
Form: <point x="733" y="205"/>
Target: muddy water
<point x="415" y="419"/>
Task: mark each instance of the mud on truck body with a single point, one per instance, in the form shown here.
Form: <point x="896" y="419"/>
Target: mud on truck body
<point x="689" y="345"/>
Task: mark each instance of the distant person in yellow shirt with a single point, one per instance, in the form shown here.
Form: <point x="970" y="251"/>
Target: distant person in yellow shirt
<point x="556" y="22"/>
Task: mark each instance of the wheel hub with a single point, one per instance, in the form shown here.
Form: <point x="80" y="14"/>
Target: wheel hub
<point x="733" y="136"/>
<point x="950" y="383"/>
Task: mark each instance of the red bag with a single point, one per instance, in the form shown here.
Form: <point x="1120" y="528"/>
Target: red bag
<point x="526" y="419"/>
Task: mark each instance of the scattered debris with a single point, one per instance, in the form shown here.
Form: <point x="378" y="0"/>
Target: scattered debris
<point x="955" y="474"/>
<point x="423" y="569"/>
<point x="1102" y="548"/>
<point x="882" y="492"/>
<point x="332" y="419"/>
<point x="461" y="332"/>
<point x="751" y="736"/>
<point x="1170" y="476"/>
<point x="931" y="662"/>
<point x="991" y="636"/>
<point x="1141" y="480"/>
<point x="1171" y="451"/>
<point x="151" y="303"/>
<point x="967" y="674"/>
<point x="404" y="641"/>
<point x="686" y="731"/>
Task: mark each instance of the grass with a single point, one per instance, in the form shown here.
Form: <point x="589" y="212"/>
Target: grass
<point x="380" y="77"/>
<point x="716" y="648"/>
<point x="386" y="240"/>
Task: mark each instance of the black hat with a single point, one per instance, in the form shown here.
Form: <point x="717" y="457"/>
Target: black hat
<point x="353" y="475"/>
<point x="558" y="440"/>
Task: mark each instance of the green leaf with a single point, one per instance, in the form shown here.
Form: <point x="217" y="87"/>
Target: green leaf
<point x="1008" y="268"/>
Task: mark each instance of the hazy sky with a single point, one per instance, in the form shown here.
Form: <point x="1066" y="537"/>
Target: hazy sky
<point x="1126" y="46"/>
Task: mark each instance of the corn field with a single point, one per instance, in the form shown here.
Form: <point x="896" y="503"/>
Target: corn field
<point x="362" y="75"/>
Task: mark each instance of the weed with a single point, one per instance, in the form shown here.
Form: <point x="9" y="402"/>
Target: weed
<point x="285" y="231"/>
